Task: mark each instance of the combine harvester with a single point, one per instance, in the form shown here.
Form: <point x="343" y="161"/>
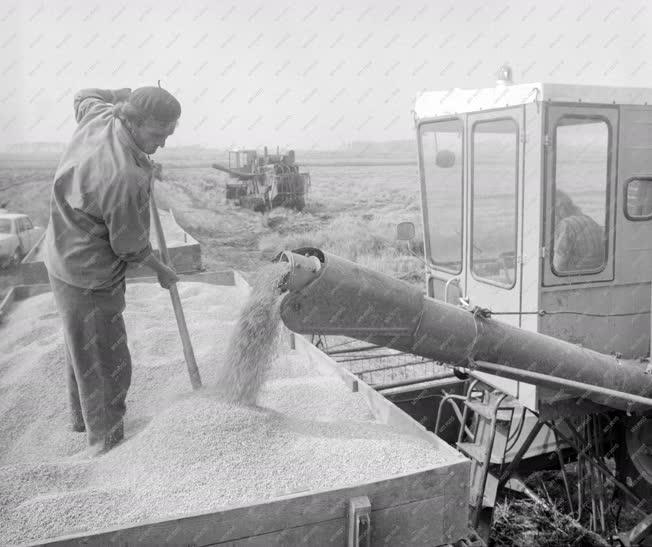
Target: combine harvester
<point x="263" y="182"/>
<point x="556" y="352"/>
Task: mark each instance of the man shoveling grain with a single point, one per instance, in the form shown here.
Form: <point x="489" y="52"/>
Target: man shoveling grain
<point x="99" y="222"/>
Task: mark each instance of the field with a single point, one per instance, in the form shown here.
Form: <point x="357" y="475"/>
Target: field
<point x="351" y="211"/>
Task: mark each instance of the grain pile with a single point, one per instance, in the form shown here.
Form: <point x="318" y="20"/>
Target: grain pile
<point x="183" y="452"/>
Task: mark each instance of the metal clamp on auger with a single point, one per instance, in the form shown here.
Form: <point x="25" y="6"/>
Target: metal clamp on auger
<point x="462" y="372"/>
<point x="478" y="311"/>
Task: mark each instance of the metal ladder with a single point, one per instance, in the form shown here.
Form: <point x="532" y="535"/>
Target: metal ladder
<point x="477" y="442"/>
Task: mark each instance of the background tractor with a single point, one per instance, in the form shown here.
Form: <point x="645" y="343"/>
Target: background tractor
<point x="263" y="182"/>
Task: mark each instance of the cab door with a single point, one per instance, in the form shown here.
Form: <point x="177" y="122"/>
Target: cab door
<point x="441" y="169"/>
<point x="494" y="219"/>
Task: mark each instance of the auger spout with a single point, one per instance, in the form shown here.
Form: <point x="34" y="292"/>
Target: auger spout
<point x="332" y="296"/>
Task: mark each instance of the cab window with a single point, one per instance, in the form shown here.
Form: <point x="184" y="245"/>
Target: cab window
<point x="494" y="178"/>
<point x="441" y="147"/>
<point x="580" y="196"/>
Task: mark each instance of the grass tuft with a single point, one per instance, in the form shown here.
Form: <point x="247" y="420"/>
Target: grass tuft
<point x="524" y="522"/>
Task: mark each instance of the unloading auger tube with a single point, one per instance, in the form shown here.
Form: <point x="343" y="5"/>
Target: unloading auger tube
<point x="329" y="295"/>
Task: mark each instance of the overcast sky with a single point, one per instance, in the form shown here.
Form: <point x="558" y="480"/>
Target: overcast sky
<point x="301" y="74"/>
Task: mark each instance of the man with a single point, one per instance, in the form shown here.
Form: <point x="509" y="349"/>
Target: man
<point x="579" y="240"/>
<point x="99" y="223"/>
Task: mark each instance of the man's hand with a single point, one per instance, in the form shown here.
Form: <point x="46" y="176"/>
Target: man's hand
<point x="167" y="277"/>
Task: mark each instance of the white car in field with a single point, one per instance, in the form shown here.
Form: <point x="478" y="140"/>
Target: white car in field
<point x="17" y="236"/>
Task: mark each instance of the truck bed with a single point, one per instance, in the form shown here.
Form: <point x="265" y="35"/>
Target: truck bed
<point x="427" y="505"/>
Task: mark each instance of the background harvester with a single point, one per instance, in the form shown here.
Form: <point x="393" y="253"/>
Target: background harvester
<point x="264" y="182"/>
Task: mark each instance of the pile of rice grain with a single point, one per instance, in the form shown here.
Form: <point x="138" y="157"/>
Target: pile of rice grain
<point x="185" y="452"/>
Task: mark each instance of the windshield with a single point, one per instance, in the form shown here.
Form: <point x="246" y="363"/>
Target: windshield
<point x="5" y="226"/>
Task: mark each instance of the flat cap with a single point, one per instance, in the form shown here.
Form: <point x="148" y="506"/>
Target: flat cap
<point x="156" y="102"/>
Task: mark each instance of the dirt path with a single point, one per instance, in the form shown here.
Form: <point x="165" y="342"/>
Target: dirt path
<point x="228" y="235"/>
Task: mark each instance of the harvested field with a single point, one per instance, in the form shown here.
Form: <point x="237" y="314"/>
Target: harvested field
<point x="183" y="452"/>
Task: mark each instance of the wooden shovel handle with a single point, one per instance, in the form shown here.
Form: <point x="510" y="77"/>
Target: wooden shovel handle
<point x="189" y="354"/>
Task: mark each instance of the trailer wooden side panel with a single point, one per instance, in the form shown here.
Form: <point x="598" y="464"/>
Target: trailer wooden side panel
<point x="185" y="254"/>
<point x="428" y="506"/>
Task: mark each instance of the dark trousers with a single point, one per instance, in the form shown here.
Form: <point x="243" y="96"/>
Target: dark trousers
<point x="98" y="362"/>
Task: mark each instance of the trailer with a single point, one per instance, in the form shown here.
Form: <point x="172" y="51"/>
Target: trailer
<point x="427" y="505"/>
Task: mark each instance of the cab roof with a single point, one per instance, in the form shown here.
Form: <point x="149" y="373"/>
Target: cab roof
<point x="432" y="104"/>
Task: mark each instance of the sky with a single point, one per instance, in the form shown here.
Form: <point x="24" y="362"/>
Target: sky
<point x="302" y="74"/>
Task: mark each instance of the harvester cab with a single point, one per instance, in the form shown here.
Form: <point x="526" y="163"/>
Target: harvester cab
<point x="537" y="205"/>
<point x="243" y="160"/>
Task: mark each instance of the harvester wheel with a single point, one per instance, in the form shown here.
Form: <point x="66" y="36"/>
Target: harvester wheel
<point x="634" y="458"/>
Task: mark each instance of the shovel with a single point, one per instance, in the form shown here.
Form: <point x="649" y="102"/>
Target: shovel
<point x="189" y="354"/>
